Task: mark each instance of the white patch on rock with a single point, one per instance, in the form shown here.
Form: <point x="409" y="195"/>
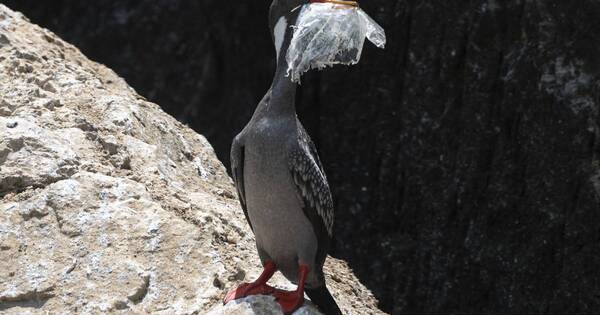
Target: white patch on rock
<point x="569" y="83"/>
<point x="260" y="304"/>
<point x="200" y="168"/>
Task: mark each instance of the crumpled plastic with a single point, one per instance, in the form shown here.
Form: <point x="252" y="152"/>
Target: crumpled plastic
<point x="327" y="34"/>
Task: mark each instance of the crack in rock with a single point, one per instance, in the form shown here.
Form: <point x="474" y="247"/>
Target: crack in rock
<point x="140" y="292"/>
<point x="31" y="299"/>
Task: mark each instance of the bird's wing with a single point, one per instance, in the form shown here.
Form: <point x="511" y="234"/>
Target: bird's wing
<point x="313" y="149"/>
<point x="313" y="191"/>
<point x="237" y="171"/>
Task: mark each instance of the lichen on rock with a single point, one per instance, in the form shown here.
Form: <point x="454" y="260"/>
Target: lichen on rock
<point x="108" y="204"/>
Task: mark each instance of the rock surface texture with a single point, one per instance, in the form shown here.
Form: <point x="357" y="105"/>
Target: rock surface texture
<point x="108" y="204"/>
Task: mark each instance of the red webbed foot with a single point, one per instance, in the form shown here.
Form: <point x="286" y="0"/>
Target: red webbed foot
<point x="259" y="286"/>
<point x="289" y="300"/>
<point x="248" y="289"/>
<point x="292" y="300"/>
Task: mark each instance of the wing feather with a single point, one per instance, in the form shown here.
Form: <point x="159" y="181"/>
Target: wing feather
<point x="237" y="171"/>
<point x="313" y="190"/>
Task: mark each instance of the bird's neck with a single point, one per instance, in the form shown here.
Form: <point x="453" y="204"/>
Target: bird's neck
<point x="283" y="92"/>
<point x="281" y="98"/>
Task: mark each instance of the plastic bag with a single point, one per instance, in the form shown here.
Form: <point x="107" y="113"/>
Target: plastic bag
<point x="327" y="34"/>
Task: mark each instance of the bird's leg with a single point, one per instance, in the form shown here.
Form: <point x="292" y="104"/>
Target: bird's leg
<point x="259" y="286"/>
<point x="292" y="300"/>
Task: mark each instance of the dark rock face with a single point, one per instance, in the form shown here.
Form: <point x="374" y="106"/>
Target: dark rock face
<point x="464" y="159"/>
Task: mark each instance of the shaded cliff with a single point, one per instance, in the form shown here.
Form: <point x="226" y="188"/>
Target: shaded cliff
<point x="464" y="159"/>
<point x="108" y="204"/>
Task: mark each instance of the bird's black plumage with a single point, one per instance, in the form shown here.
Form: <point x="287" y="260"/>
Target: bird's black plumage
<point x="313" y="190"/>
<point x="237" y="171"/>
<point x="323" y="299"/>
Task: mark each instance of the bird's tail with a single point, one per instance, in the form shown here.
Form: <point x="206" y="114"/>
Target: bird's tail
<point x="322" y="298"/>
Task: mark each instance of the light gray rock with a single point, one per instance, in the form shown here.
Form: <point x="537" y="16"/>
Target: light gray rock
<point x="264" y="305"/>
<point x="108" y="204"/>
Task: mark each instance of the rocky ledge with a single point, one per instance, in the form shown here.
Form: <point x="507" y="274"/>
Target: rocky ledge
<point x="108" y="204"/>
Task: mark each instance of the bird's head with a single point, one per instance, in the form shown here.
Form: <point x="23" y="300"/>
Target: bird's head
<point x="281" y="16"/>
<point x="283" y="8"/>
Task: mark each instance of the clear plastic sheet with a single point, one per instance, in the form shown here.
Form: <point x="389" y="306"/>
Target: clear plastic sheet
<point x="327" y="34"/>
